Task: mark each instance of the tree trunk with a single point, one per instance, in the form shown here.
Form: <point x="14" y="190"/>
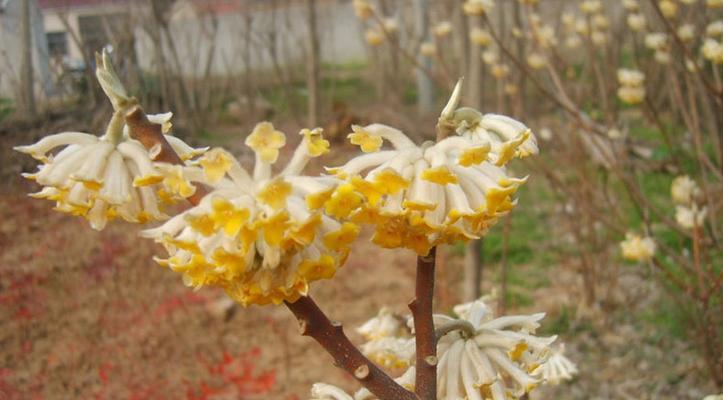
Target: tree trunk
<point x="312" y="66"/>
<point x="27" y="95"/>
<point x="425" y="95"/>
<point x="461" y="37"/>
<point x="474" y="74"/>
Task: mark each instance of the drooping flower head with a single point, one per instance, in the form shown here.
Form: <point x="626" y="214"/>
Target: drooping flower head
<point x="637" y="248"/>
<point x="632" y="86"/>
<point x="419" y="196"/>
<point x="477" y="7"/>
<point x="557" y="368"/>
<point x="259" y="236"/>
<point x="691" y="216"/>
<point x="684" y="190"/>
<point x="389" y="342"/>
<point x="104" y="177"/>
<point x="492" y="358"/>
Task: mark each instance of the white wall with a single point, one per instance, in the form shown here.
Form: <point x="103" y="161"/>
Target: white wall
<point x="10" y="50"/>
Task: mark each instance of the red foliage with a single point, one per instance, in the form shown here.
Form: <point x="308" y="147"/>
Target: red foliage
<point x="104" y="371"/>
<point x="23" y="295"/>
<point x="102" y="263"/>
<point x="233" y="373"/>
<point x="174" y="302"/>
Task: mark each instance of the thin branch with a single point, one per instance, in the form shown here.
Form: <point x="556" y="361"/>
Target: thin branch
<point x="330" y="335"/>
<point x="151" y="137"/>
<point x="421" y="306"/>
<point x="716" y="92"/>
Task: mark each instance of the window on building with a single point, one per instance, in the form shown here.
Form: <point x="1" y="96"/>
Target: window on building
<point x="98" y="31"/>
<point x="57" y="43"/>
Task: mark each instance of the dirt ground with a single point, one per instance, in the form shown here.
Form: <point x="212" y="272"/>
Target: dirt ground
<point x="89" y="315"/>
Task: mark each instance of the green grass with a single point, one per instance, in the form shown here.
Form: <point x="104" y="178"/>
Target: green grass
<point x="526" y="231"/>
<point x="6" y="108"/>
<point x="668" y="319"/>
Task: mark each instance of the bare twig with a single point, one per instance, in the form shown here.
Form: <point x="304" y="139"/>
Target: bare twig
<point x="330" y="335"/>
<point x="151" y="137"/>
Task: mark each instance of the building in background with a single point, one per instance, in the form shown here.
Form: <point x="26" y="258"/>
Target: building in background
<point x="10" y="51"/>
<point x="208" y="35"/>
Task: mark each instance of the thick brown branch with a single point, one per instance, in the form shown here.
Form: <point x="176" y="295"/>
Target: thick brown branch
<point x="421" y="306"/>
<point x="330" y="335"/>
<point x="151" y="137"/>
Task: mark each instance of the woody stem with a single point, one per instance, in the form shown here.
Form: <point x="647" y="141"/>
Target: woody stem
<point x="330" y="335"/>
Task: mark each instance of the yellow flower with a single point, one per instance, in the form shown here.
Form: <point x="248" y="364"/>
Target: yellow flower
<point x="274" y="227"/>
<point x="489" y="348"/>
<point x="175" y="182"/>
<point x="684" y="190"/>
<point x="668" y="8"/>
<point x="389" y="181"/>
<point x="228" y="217"/>
<point x="318" y="199"/>
<point x="362" y="138"/>
<point x="344" y="200"/>
<point x="316" y="145"/>
<point x="422" y="196"/>
<point x="266" y="141"/>
<point x="323" y="268"/>
<point x="104" y="177"/>
<point x="631" y="94"/>
<point x="372" y="193"/>
<point x="97" y="178"/>
<point x="374" y="37"/>
<point x="252" y="233"/>
<point x="202" y="224"/>
<point x="363" y="9"/>
<point x="275" y="193"/>
<point x="511" y="149"/>
<point x="442" y="29"/>
<point x="477" y="7"/>
<point x="440" y="175"/>
<point x="305" y="233"/>
<point x="215" y="164"/>
<point x="342" y="238"/>
<point x="480" y="37"/>
<point x="475" y="155"/>
<point x="637" y="248"/>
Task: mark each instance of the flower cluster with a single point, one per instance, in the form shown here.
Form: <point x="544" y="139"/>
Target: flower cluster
<point x="264" y="236"/>
<point x="104" y="177"/>
<point x="420" y="196"/>
<point x="686" y="195"/>
<point x="491" y="358"/>
<point x="637" y="248"/>
<point x="388" y="341"/>
<point x="557" y="368"/>
<point x="632" y="86"/>
<point x="480" y="356"/>
<point x="260" y="237"/>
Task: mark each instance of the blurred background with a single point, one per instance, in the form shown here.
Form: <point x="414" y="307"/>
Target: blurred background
<point x="89" y="315"/>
